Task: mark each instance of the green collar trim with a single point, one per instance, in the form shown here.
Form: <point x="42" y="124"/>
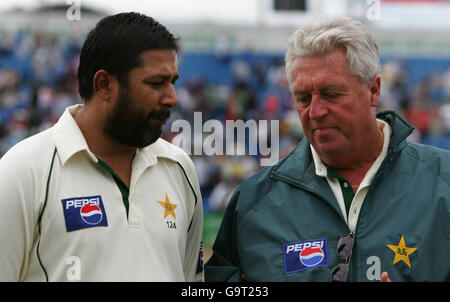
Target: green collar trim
<point x="123" y="188"/>
<point x="346" y="187"/>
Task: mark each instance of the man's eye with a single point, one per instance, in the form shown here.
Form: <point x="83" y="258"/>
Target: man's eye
<point x="155" y="84"/>
<point x="331" y="96"/>
<point x="304" y="99"/>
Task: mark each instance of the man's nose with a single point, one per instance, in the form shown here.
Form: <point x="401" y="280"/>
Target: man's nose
<point x="318" y="108"/>
<point x="169" y="97"/>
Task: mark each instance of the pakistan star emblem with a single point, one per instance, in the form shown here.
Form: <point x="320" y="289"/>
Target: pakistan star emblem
<point x="169" y="208"/>
<point x="402" y="252"/>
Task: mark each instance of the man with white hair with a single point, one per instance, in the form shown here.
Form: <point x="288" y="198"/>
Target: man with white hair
<point x="354" y="201"/>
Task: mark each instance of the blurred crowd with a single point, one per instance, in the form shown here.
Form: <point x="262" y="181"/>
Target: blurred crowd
<point x="38" y="81"/>
<point x="425" y="103"/>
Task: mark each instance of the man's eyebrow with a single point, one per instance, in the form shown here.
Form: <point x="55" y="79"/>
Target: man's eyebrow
<point x="162" y="76"/>
<point x="330" y="87"/>
<point x="336" y="87"/>
<point x="301" y="92"/>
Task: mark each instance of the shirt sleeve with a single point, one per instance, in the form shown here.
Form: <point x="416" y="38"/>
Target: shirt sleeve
<point x="17" y="216"/>
<point x="224" y="266"/>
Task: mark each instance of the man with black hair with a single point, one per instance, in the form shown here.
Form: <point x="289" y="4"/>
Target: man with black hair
<point x="99" y="196"/>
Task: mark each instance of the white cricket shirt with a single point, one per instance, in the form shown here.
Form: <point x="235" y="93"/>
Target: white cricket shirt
<point x="322" y="170"/>
<point x="65" y="216"/>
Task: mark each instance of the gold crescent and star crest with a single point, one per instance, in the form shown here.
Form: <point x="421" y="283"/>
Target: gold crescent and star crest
<point x="169" y="208"/>
<point x="402" y="252"/>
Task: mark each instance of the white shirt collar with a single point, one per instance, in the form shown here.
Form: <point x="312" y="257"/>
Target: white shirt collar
<point x="69" y="140"/>
<point x="68" y="137"/>
<point x="322" y="170"/>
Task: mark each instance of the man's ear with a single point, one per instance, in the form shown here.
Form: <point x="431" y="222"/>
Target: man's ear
<point x="375" y="90"/>
<point x="103" y="84"/>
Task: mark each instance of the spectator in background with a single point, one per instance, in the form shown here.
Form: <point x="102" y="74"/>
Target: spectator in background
<point x="444" y="113"/>
<point x="222" y="48"/>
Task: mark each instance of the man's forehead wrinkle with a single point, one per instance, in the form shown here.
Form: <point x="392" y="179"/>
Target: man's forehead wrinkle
<point x="331" y="86"/>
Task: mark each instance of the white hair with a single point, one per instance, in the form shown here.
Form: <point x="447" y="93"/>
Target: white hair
<point x="333" y="33"/>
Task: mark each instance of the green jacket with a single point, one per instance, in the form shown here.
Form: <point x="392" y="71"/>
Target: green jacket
<point x="283" y="223"/>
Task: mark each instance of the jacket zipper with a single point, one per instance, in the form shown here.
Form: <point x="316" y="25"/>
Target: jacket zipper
<point x="377" y="176"/>
<point x="353" y="261"/>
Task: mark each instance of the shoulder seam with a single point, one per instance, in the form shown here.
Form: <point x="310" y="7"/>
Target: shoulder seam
<point x="192" y="189"/>
<point x="426" y="165"/>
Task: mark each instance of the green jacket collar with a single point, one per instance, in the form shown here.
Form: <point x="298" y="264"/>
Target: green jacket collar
<point x="401" y="129"/>
<point x="299" y="162"/>
<point x="298" y="167"/>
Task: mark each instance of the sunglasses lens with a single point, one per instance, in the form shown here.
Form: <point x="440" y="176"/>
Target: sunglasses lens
<point x="343" y="250"/>
<point x="340" y="273"/>
<point x="345" y="245"/>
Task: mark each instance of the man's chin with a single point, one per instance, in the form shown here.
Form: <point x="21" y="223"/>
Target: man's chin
<point x="148" y="140"/>
<point x="328" y="149"/>
<point x="141" y="142"/>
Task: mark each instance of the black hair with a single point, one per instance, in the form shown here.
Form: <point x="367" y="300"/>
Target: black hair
<point x="115" y="45"/>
